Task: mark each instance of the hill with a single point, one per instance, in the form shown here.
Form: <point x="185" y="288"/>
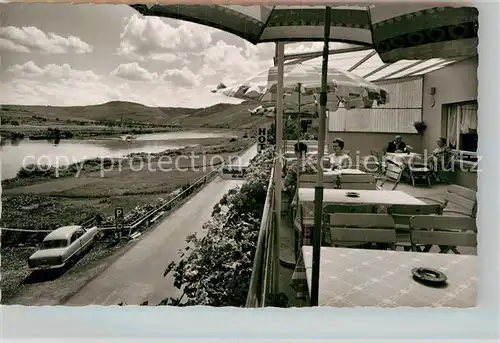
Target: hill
<point x="217" y="116"/>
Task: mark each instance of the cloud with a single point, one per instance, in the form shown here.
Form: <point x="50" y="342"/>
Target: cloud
<point x="31" y="39"/>
<point x="232" y="64"/>
<point x="31" y="84"/>
<point x="134" y="72"/>
<point x="30" y="70"/>
<point x="183" y="77"/>
<point x="153" y="38"/>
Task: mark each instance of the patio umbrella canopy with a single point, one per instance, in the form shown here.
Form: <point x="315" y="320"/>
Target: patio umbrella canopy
<point x="344" y="87"/>
<point x="396" y="31"/>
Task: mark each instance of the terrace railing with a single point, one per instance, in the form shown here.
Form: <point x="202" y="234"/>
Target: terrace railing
<point x="262" y="272"/>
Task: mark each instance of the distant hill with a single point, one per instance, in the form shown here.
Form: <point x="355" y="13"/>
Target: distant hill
<point x="216" y="116"/>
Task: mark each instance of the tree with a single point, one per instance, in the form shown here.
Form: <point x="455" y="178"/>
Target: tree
<point x="290" y="130"/>
<point x="215" y="270"/>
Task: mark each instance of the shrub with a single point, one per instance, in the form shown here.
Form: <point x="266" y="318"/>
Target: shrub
<point x="215" y="270"/>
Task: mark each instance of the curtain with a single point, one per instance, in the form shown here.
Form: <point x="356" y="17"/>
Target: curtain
<point x="467" y="114"/>
<point x="452" y="125"/>
<point x="468" y="118"/>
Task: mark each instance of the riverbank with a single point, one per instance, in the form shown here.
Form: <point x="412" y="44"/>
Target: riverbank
<point x="29" y="173"/>
<point x="46" y="131"/>
<point x="48" y="204"/>
<point x="71" y="194"/>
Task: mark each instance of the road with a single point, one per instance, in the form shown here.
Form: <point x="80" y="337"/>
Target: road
<point x="137" y="276"/>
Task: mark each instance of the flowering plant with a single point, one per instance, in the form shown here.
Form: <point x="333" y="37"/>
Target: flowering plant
<point x="215" y="270"/>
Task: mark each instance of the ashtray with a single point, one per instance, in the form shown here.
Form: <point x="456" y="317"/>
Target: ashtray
<point x="429" y="276"/>
<point x="352" y="194"/>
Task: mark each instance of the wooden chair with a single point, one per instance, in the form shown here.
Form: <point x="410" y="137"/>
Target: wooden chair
<point x="345" y="208"/>
<point x="354" y="229"/>
<point x="401" y="215"/>
<point x="393" y="173"/>
<point x="358" y="181"/>
<point x="445" y="231"/>
<point x="340" y="208"/>
<point x="309" y="181"/>
<point x="457" y="200"/>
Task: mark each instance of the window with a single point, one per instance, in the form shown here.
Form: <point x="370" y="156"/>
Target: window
<point x="461" y="131"/>
<point x="54" y="244"/>
<point x="76" y="235"/>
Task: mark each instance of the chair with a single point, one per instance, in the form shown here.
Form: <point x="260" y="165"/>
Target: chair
<point x="341" y="208"/>
<point x="351" y="229"/>
<point x="373" y="163"/>
<point x="457" y="200"/>
<point x="446" y="231"/>
<point x="344" y="208"/>
<point x="357" y="181"/>
<point x="309" y="181"/>
<point x="401" y="215"/>
<point x="393" y="173"/>
<point x="419" y="171"/>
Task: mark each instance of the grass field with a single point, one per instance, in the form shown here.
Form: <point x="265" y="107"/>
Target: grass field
<point x="229" y="116"/>
<point x="49" y="204"/>
<point x="69" y="200"/>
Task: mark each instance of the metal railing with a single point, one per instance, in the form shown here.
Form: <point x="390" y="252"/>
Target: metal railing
<point x="262" y="270"/>
<point x="146" y="218"/>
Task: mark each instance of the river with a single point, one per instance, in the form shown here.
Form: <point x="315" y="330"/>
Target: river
<point x="15" y="154"/>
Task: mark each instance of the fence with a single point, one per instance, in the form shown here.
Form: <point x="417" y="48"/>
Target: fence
<point x="262" y="270"/>
<point x="149" y="217"/>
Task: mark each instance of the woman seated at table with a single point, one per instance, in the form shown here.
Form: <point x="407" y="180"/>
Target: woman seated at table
<point x="397" y="146"/>
<point x="339" y="159"/>
<point x="440" y="158"/>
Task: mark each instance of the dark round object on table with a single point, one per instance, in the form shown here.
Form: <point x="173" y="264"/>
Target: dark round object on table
<point x="352" y="194"/>
<point x="428" y="276"/>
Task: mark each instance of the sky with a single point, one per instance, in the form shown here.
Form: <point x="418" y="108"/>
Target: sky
<point x="71" y="55"/>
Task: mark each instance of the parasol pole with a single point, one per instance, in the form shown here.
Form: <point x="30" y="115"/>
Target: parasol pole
<point x="318" y="190"/>
<point x="280" y="58"/>
<point x="300" y="161"/>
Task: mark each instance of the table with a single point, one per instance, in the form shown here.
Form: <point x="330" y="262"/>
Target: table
<point x="402" y="158"/>
<point x="347" y="171"/>
<point x="381" y="199"/>
<point x="359" y="277"/>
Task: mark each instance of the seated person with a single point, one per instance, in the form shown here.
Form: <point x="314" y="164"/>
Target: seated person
<point x="339" y="159"/>
<point x="397" y="146"/>
<point x="305" y="166"/>
<point x="300" y="149"/>
<point x="440" y="158"/>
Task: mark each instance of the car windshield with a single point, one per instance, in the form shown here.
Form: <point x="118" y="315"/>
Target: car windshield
<point x="54" y="244"/>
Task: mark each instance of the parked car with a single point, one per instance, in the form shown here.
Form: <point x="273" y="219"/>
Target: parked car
<point x="61" y="246"/>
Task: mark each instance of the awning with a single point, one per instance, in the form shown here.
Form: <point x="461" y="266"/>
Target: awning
<point x="396" y="31"/>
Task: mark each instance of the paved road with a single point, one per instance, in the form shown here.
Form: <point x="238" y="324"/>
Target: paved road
<point x="137" y="276"/>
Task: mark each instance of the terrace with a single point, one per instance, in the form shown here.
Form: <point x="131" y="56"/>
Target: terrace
<point x="270" y="277"/>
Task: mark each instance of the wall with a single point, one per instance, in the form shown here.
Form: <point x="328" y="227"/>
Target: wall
<point x="465" y="179"/>
<point x="397" y="116"/>
<point x="366" y="141"/>
<point x="456" y="83"/>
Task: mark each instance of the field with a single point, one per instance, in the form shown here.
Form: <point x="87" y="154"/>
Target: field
<point x="43" y="204"/>
<point x="128" y="114"/>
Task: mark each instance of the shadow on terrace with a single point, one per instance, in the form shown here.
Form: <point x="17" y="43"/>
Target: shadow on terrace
<point x="384" y="189"/>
